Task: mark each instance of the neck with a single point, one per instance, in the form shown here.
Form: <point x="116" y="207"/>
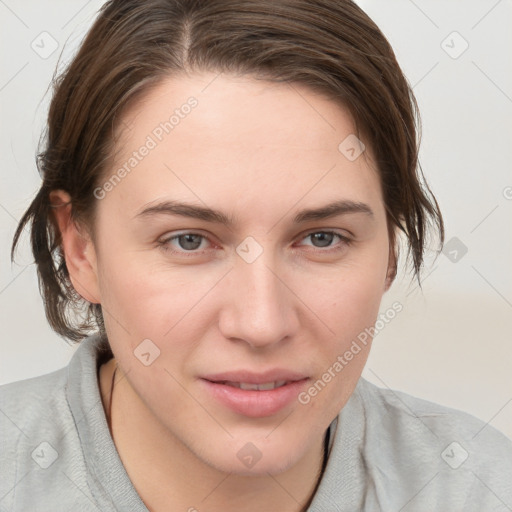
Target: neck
<point x="168" y="476"/>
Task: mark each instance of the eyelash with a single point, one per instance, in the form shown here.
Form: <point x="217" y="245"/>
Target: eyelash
<point x="164" y="243"/>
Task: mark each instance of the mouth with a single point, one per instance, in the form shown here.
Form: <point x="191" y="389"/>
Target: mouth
<point x="247" y="386"/>
<point x="255" y="395"/>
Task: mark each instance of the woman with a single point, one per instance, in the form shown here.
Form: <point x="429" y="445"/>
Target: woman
<point x="225" y="185"/>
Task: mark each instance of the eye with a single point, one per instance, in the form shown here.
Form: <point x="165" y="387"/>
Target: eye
<point x="190" y="243"/>
<point x="325" y="239"/>
<point x="185" y="242"/>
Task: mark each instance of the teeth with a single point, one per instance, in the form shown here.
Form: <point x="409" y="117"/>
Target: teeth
<point x="267" y="386"/>
<point x="254" y="387"/>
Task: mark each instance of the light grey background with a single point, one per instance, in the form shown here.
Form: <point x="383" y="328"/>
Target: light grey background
<point x="451" y="344"/>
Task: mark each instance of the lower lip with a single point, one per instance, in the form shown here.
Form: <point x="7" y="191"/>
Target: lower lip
<point x="255" y="404"/>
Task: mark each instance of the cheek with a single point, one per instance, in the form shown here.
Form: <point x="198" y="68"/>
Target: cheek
<point x="347" y="299"/>
<point x="152" y="300"/>
<point x="349" y="306"/>
<point x="352" y="311"/>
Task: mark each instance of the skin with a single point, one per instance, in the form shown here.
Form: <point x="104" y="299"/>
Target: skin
<point x="261" y="152"/>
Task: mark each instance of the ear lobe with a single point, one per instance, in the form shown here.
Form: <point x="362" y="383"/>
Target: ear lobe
<point x="77" y="248"/>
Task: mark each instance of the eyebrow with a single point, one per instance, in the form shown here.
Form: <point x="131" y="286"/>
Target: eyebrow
<point x="181" y="209"/>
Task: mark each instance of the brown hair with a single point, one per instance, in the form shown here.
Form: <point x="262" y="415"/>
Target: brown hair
<point x="331" y="46"/>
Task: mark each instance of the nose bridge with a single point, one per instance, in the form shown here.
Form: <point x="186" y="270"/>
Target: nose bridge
<point x="260" y="310"/>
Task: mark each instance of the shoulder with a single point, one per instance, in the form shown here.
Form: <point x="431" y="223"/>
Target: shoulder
<point x="415" y="415"/>
<point x="34" y="385"/>
<point x="30" y="412"/>
<point x="26" y="403"/>
<point x="439" y="452"/>
<point x="40" y="448"/>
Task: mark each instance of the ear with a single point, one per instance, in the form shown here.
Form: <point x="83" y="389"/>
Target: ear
<point x="77" y="247"/>
<point x="392" y="263"/>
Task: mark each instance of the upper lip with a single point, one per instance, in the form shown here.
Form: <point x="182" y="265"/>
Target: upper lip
<point x="250" y="377"/>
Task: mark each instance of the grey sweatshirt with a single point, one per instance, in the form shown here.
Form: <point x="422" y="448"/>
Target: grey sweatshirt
<point x="389" y="451"/>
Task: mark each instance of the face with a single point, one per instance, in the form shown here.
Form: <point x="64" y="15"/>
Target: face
<point x="217" y="279"/>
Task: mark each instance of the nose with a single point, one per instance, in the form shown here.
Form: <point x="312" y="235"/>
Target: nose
<point x="260" y="309"/>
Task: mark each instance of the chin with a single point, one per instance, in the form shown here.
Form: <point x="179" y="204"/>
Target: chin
<point x="254" y="458"/>
<point x="272" y="465"/>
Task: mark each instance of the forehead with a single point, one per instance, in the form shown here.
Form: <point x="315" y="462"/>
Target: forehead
<point x="220" y="136"/>
<point x="241" y="109"/>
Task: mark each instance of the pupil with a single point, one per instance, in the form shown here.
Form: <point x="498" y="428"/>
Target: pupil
<point x="189" y="243"/>
<point x="323" y="238"/>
